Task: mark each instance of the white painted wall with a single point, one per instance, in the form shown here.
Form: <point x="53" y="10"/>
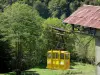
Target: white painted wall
<point x="97" y="54"/>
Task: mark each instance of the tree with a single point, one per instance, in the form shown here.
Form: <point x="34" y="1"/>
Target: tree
<point x="42" y="9"/>
<point x="54" y="8"/>
<point x="51" y="39"/>
<point x="21" y="26"/>
<point x="60" y="8"/>
<point x="3" y="4"/>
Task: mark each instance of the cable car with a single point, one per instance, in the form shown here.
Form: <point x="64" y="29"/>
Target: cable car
<point x="57" y="59"/>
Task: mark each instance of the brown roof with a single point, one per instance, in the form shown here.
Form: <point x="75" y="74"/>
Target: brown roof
<point x="86" y="15"/>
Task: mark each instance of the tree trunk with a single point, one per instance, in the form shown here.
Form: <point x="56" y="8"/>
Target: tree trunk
<point x="19" y="57"/>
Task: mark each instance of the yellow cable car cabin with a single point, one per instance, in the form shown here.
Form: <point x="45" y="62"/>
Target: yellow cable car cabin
<point x="57" y="59"/>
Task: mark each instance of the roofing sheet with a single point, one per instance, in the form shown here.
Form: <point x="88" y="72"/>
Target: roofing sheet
<point x="87" y="15"/>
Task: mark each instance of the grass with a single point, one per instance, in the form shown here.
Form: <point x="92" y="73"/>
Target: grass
<point x="76" y="69"/>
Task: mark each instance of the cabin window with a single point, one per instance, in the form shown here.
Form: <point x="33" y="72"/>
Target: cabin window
<point x="67" y="56"/>
<point x="55" y="55"/>
<point x="49" y="55"/>
<point x="61" y="56"/>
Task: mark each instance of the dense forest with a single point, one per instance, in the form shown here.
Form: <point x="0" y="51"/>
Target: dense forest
<point x="26" y="32"/>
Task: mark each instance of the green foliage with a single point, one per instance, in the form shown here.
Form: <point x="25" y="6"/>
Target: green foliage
<point x="51" y="38"/>
<point x="49" y="34"/>
<point x="57" y="7"/>
<point x="3" y="4"/>
<point x="42" y="9"/>
<point x="20" y="25"/>
<point x="74" y="5"/>
<point x="84" y="48"/>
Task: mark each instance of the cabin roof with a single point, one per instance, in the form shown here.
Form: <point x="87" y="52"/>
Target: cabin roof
<point x="87" y="15"/>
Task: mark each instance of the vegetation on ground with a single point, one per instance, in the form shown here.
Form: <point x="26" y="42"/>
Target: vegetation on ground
<point x="77" y="68"/>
